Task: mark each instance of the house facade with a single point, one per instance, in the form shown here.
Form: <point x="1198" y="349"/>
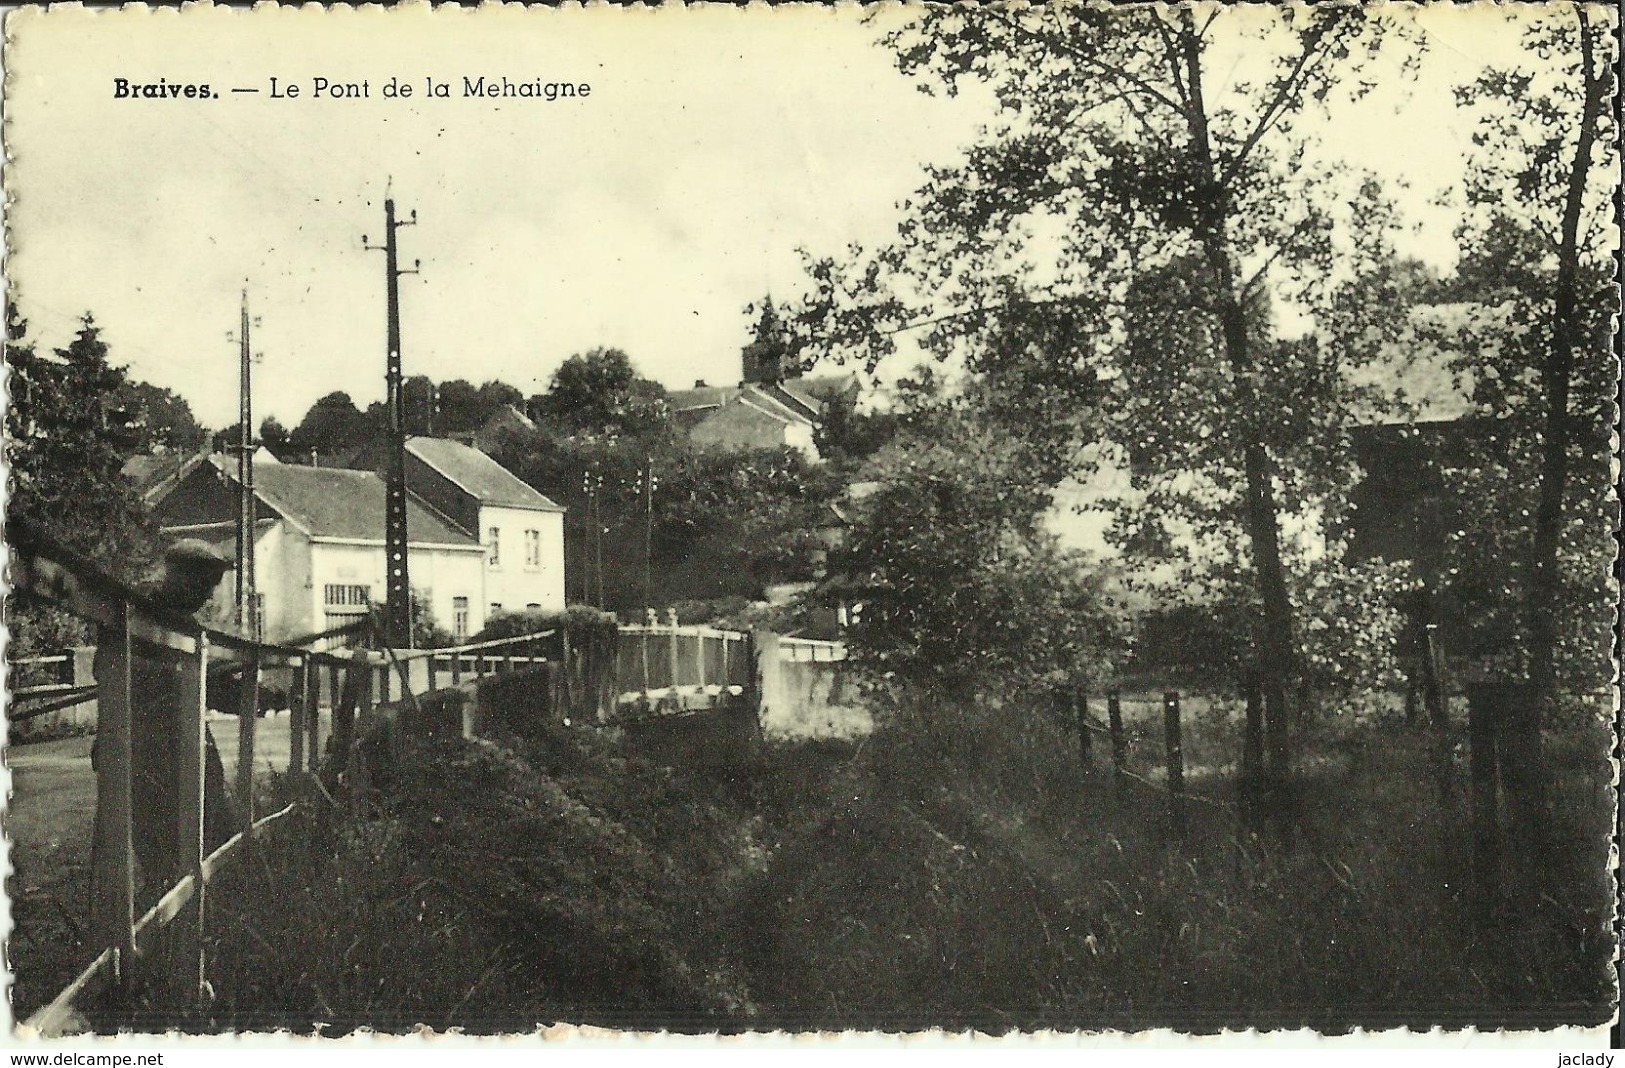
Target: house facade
<point x="319" y="549"/>
<point x="520" y="531"/>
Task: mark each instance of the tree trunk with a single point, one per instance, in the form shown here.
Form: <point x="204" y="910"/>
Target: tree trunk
<point x="1542" y="606"/>
<point x="1275" y="652"/>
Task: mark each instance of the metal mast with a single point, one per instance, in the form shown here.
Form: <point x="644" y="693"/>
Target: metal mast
<point x="247" y="615"/>
<point x="398" y="601"/>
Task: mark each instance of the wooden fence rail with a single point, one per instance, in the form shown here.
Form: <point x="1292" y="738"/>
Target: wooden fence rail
<point x="138" y="638"/>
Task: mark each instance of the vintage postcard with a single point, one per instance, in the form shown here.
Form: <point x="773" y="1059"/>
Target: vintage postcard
<point x="1066" y="519"/>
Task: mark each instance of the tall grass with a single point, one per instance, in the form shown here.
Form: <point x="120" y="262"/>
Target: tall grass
<point x="958" y="868"/>
<point x="969" y="872"/>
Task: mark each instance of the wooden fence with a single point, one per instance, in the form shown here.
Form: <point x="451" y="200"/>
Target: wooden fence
<point x="59" y="686"/>
<point x="135" y="637"/>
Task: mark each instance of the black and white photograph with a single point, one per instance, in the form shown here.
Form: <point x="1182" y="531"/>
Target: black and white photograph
<point x="1077" y="519"/>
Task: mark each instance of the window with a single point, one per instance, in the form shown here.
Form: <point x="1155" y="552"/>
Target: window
<point x="340" y="597"/>
<point x="344" y="602"/>
<point x="533" y="550"/>
<point x="459" y="617"/>
<point x="496" y="547"/>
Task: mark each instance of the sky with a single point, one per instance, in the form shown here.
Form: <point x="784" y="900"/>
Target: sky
<point x="647" y="215"/>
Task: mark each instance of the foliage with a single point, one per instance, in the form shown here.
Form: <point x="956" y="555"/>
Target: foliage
<point x="67" y="437"/>
<point x="1145" y="252"/>
<point x="599" y="392"/>
<point x="1531" y="571"/>
<point x="426" y="633"/>
<point x="491" y="889"/>
<point x="274" y="436"/>
<point x="713" y="523"/>
<point x="845" y="436"/>
<point x="578" y="619"/>
<point x="957" y="581"/>
<point x="962" y="870"/>
<point x="330" y="427"/>
<point x="164" y="419"/>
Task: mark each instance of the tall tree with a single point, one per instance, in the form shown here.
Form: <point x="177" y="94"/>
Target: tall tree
<point x="1537" y="283"/>
<point x="331" y="425"/>
<point x="274" y="436"/>
<point x="1542" y="256"/>
<point x="1121" y="189"/>
<point x="164" y="418"/>
<point x="67" y="436"/>
<point x="600" y="392"/>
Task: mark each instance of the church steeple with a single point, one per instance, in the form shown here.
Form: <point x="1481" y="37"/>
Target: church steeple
<point x="767" y="358"/>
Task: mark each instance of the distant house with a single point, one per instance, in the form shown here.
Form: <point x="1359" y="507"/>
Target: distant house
<point x="521" y="531"/>
<point x="758" y="415"/>
<point x="771" y="407"/>
<point x="505" y="420"/>
<point x="154" y="474"/>
<point x="319" y="545"/>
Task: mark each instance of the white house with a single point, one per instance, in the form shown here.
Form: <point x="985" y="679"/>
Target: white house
<point x="521" y="531"/>
<point x="319" y="547"/>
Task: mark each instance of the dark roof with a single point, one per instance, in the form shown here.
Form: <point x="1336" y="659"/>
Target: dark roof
<point x="332" y="502"/>
<point x="148" y="473"/>
<point x="478" y="475"/>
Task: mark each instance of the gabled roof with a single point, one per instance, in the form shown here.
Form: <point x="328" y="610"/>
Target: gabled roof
<point x="817" y="391"/>
<point x="764" y="401"/>
<point x="683" y="400"/>
<point x="333" y="502"/>
<point x="478" y="475"/>
<point x="150" y="474"/>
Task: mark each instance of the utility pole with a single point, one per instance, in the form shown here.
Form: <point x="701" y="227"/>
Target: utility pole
<point x="648" y="529"/>
<point x="247" y="614"/>
<point x="398" y="600"/>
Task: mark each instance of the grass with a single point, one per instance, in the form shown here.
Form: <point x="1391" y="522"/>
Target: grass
<point x="984" y="879"/>
<point x="958" y="868"/>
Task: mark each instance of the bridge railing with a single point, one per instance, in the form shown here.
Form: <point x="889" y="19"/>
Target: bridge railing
<point x="675" y="667"/>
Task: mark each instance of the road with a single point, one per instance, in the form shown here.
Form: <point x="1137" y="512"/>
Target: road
<point x="53" y="788"/>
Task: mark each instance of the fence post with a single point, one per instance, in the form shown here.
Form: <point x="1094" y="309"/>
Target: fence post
<point x="248" y="699"/>
<point x="1080" y="711"/>
<point x="456" y="668"/>
<point x="671" y="650"/>
<point x="1114" y="719"/>
<point x="335" y="700"/>
<point x="1520" y="760"/>
<point x="296" y="718"/>
<point x="1483" y="714"/>
<point x="645" y="637"/>
<point x="187" y="960"/>
<point x="344" y="714"/>
<point x="313" y="714"/>
<point x="1176" y="761"/>
<point x="112" y="851"/>
<point x="699" y="660"/>
<point x="1252" y="744"/>
<point x="568" y="675"/>
<point x="1437" y="700"/>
